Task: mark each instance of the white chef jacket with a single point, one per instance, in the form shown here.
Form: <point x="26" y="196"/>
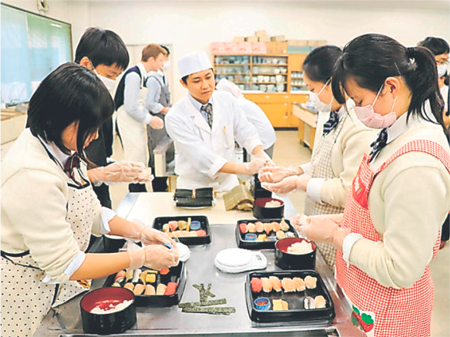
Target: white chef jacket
<point x="201" y="151"/>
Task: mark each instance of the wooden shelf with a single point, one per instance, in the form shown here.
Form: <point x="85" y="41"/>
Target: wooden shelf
<point x="232" y="73"/>
<point x="282" y="74"/>
<point x="298" y="85"/>
<point x="230" y="64"/>
<point x="269" y="65"/>
<point x="269" y="82"/>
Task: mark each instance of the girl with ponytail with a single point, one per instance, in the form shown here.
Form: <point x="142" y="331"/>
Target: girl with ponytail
<point x="390" y="229"/>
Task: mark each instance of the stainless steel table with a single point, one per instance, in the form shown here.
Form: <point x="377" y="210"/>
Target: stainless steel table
<point x="65" y="321"/>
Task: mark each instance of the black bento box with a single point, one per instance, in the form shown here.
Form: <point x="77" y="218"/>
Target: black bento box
<point x="247" y="244"/>
<point x="176" y="274"/>
<point x="296" y="311"/>
<point x="159" y="222"/>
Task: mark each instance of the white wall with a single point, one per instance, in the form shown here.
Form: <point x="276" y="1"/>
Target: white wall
<point x="191" y="26"/>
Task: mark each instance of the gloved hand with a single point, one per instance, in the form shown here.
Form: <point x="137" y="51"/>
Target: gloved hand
<point x="275" y="174"/>
<point x="153" y="256"/>
<point x="148" y="236"/>
<point x="120" y="172"/>
<point x="263" y="155"/>
<point x="252" y="167"/>
<point x="318" y="228"/>
<point x="288" y="185"/>
<point x="156" y="123"/>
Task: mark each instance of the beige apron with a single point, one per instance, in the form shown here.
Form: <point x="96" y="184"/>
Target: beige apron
<point x="133" y="133"/>
<point x="26" y="300"/>
<point x="321" y="168"/>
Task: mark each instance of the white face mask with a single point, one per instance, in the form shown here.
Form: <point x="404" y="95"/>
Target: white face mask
<point x="109" y="83"/>
<point x="317" y="103"/>
<point x="442" y="70"/>
<point x="166" y="65"/>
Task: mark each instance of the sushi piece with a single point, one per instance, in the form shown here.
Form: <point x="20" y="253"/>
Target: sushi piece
<point x="115" y="284"/>
<point x="184" y="234"/>
<point x="166" y="228"/>
<point x="276" y="226"/>
<point x="182" y="225"/>
<point x="280" y="235"/>
<point x="266" y="285"/>
<point x="120" y="276"/>
<point x="173" y="225"/>
<point x="320" y="302"/>
<point x="259" y="227"/>
<point x="128" y="276"/>
<point x="288" y="285"/>
<point x="243" y="228"/>
<point x="149" y="290"/>
<point x="201" y="232"/>
<point x="193" y="234"/>
<point x="310" y="282"/>
<point x="308" y="302"/>
<point x="176" y="234"/>
<point x="256" y="285"/>
<point x="251" y="227"/>
<point x="139" y="289"/>
<point x="276" y="283"/>
<point x="261" y="237"/>
<point x="161" y="289"/>
<point x="279" y="305"/>
<point x="267" y="228"/>
<point x="171" y="288"/>
<point x="290" y="235"/>
<point x="299" y="284"/>
<point x="136" y="275"/>
<point x="283" y="225"/>
<point x="150" y="278"/>
<point x="129" y="286"/>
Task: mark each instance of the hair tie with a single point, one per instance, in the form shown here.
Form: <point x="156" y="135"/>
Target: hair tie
<point x="410" y="52"/>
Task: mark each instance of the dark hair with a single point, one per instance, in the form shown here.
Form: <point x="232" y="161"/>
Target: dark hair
<point x="371" y="58"/>
<point x="184" y="78"/>
<point x="437" y="45"/>
<point x="166" y="49"/>
<point x="319" y="63"/>
<point x="102" y="46"/>
<point x="69" y="94"/>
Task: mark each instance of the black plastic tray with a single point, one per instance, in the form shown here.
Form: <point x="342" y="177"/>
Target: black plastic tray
<point x="159" y="222"/>
<point x="177" y="274"/>
<point x="242" y="243"/>
<point x="296" y="311"/>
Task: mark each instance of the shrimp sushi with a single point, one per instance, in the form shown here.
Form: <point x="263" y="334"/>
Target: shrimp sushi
<point x="268" y="228"/>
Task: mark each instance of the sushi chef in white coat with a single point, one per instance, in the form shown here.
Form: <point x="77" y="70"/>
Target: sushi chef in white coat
<point x="204" y="126"/>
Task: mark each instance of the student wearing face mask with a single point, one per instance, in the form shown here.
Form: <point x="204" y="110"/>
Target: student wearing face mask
<point x="390" y="229"/>
<point x="440" y="49"/>
<point x="341" y="143"/>
<point x="132" y="115"/>
<point x="158" y="104"/>
<point x="204" y="126"/>
<point x="104" y="52"/>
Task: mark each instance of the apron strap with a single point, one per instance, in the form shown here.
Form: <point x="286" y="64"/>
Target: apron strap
<point x="8" y="257"/>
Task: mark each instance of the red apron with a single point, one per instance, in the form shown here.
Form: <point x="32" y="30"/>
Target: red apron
<point x="385" y="311"/>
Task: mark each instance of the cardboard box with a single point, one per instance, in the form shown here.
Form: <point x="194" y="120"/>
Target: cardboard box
<point x="231" y="48"/>
<point x="259" y="33"/>
<point x="218" y="48"/>
<point x="245" y="47"/>
<point x="251" y="39"/>
<point x="278" y="38"/>
<point x="238" y="39"/>
<point x="281" y="48"/>
<point x="264" y="38"/>
<point x="271" y="48"/>
<point x="259" y="48"/>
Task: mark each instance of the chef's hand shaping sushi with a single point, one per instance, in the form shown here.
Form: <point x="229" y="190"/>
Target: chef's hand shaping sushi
<point x="264" y="156"/>
<point x="288" y="185"/>
<point x="275" y="174"/>
<point x="156" y="123"/>
<point x="120" y="172"/>
<point x="153" y="256"/>
<point x="321" y="228"/>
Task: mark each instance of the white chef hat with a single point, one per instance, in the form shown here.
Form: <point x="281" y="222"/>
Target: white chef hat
<point x="193" y="63"/>
<point x="225" y="85"/>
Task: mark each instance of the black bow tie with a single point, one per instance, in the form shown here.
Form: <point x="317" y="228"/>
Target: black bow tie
<point x="331" y="123"/>
<point x="208" y="109"/>
<point x="73" y="162"/>
<point x="378" y="144"/>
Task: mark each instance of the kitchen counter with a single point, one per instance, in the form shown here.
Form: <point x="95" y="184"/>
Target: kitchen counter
<point x="65" y="321"/>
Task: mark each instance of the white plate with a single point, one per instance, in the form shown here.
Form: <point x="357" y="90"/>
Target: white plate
<point x="237" y="260"/>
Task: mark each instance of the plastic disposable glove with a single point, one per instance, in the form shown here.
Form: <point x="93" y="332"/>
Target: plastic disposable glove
<point x="275" y="174"/>
<point x="318" y="228"/>
<point x="156" y="123"/>
<point x="288" y="185"/>
<point x="253" y="167"/>
<point x="147" y="235"/>
<point x="120" y="172"/>
<point x="263" y="155"/>
<point x="153" y="256"/>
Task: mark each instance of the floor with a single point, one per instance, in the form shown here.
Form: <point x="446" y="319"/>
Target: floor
<point x="289" y="152"/>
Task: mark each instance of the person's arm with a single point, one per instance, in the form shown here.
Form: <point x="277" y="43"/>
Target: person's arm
<point x="415" y="205"/>
<point x="131" y="99"/>
<point x="153" y="96"/>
